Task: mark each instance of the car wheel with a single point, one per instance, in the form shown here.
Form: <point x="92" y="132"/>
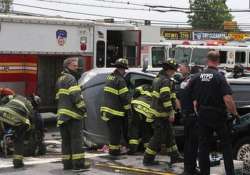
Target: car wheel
<point x="242" y="152"/>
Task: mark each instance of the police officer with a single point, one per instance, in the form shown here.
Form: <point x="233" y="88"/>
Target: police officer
<point x="190" y="121"/>
<point x="163" y="111"/>
<point x="17" y="113"/>
<point x="71" y="110"/>
<point x="116" y="105"/>
<point x="213" y="97"/>
<point x="141" y="124"/>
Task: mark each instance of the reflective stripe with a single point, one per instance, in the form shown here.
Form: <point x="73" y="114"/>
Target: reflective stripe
<point x="149" y="120"/>
<point x="173" y="95"/>
<point x="111" y="90"/>
<point x="69" y="113"/>
<point x="78" y="156"/>
<point x="17" y="157"/>
<point x="5" y="120"/>
<point x="8" y="110"/>
<point x="74" y="88"/>
<point x="167" y="104"/>
<point x="155" y="94"/>
<point x="59" y="122"/>
<point x="21" y="103"/>
<point x="112" y="111"/>
<point x="134" y="142"/>
<point x="123" y="90"/>
<point x="80" y="104"/>
<point x="114" y="147"/>
<point x="145" y="145"/>
<point x="141" y="103"/>
<point x="160" y="114"/>
<point x="127" y="107"/>
<point x="150" y="151"/>
<point x="104" y="116"/>
<point x="164" y="89"/>
<point x="139" y="88"/>
<point x="66" y="157"/>
<point x="172" y="149"/>
<point x="62" y="91"/>
<point x="144" y="111"/>
<point x="147" y="93"/>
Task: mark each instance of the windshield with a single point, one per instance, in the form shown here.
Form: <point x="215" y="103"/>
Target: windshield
<point x="158" y="56"/>
<point x="199" y="55"/>
<point x="182" y="55"/>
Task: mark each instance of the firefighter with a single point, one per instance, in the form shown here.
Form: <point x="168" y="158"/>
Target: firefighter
<point x="213" y="98"/>
<point x="190" y="121"/>
<point x="116" y="105"/>
<point x="141" y="124"/>
<point x="16" y="112"/>
<point x="70" y="112"/>
<point x="36" y="134"/>
<point x="163" y="102"/>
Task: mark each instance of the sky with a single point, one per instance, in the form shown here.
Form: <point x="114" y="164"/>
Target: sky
<point x="175" y="17"/>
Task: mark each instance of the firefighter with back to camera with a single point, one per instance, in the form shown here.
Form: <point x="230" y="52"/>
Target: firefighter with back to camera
<point x="16" y="111"/>
<point x="163" y="102"/>
<point x="116" y="105"/>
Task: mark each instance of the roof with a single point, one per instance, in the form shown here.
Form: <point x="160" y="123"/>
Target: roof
<point x="44" y="20"/>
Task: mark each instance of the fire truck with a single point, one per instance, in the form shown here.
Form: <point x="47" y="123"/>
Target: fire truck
<point x="229" y="55"/>
<point x="32" y="50"/>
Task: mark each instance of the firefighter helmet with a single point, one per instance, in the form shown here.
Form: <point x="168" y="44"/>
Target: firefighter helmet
<point x="170" y="64"/>
<point x="121" y="63"/>
<point x="6" y="91"/>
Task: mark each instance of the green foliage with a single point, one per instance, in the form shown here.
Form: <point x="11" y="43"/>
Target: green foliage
<point x="6" y="4"/>
<point x="209" y="14"/>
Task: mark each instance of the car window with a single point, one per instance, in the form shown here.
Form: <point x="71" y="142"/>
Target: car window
<point x="135" y="79"/>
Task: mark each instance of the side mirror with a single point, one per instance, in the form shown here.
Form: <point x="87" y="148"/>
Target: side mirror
<point x="145" y="64"/>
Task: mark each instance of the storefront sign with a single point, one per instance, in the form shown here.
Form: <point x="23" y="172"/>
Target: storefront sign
<point x="237" y="36"/>
<point x="176" y="35"/>
<point x="209" y="35"/>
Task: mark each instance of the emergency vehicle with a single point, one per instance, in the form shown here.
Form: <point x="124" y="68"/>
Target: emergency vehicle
<point x="32" y="50"/>
<point x="155" y="53"/>
<point x="229" y="55"/>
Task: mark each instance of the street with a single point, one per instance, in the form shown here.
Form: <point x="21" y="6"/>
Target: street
<point x="101" y="163"/>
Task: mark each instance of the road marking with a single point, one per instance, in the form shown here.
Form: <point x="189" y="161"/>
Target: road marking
<point x="7" y="162"/>
<point x="131" y="169"/>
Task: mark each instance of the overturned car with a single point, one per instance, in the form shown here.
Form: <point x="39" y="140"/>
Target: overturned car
<point x="95" y="130"/>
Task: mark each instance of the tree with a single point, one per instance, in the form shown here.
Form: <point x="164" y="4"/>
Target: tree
<point x="5" y="6"/>
<point x="209" y="14"/>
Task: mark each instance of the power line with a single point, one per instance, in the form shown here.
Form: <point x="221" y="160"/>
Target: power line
<point x="156" y="8"/>
<point x="92" y="5"/>
<point x="91" y="14"/>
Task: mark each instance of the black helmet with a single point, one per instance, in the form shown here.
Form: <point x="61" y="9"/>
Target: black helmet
<point x="238" y="71"/>
<point x="170" y="64"/>
<point x="121" y="63"/>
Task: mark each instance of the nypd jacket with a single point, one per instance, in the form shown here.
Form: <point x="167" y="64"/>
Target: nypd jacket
<point x="17" y="111"/>
<point x="163" y="96"/>
<point x="70" y="102"/>
<point x="116" y="102"/>
<point x="141" y="101"/>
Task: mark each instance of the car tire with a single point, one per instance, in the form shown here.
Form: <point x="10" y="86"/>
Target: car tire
<point x="241" y="151"/>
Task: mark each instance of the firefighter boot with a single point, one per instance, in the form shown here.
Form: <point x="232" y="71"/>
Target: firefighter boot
<point x="81" y="165"/>
<point x="18" y="163"/>
<point x="132" y="149"/>
<point x="176" y="157"/>
<point x="149" y="160"/>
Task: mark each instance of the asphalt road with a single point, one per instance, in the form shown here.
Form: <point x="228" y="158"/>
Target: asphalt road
<point x="102" y="164"/>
